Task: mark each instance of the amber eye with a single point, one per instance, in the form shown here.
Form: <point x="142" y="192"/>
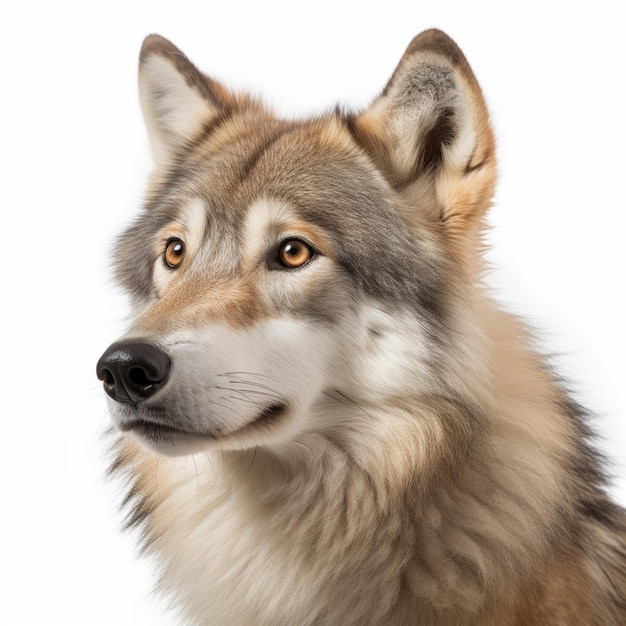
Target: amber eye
<point x="294" y="253"/>
<point x="174" y="253"/>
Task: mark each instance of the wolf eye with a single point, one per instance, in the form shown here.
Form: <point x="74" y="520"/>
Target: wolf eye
<point x="174" y="252"/>
<point x="294" y="253"/>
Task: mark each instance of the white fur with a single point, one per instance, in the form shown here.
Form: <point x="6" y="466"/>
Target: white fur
<point x="172" y="110"/>
<point x="190" y="227"/>
<point x="248" y="544"/>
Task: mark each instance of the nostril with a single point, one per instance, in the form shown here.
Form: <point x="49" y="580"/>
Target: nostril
<point x="139" y="377"/>
<point x="106" y="377"/>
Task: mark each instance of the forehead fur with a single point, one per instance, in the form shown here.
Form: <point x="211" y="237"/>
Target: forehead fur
<point x="319" y="171"/>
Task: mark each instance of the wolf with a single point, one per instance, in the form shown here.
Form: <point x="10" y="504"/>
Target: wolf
<point x="322" y="415"/>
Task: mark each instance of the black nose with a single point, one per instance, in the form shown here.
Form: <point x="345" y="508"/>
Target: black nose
<point x="133" y="371"/>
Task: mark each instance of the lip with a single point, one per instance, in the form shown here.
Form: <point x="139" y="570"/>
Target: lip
<point x="267" y="418"/>
<point x="153" y="429"/>
<point x="165" y="439"/>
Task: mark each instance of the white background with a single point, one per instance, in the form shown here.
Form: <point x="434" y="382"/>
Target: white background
<point x="74" y="161"/>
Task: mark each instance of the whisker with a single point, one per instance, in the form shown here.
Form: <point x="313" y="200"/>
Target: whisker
<point x="250" y="392"/>
<point x="193" y="458"/>
<point x="232" y="409"/>
<point x="252" y="383"/>
<point x="243" y="399"/>
<point x="335" y="394"/>
<point x="247" y="374"/>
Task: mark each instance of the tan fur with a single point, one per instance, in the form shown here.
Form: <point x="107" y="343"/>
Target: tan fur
<point x="468" y="496"/>
<point x="465" y="186"/>
<point x="237" y="305"/>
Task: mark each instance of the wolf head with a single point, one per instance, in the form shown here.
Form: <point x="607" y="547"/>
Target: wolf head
<point x="286" y="273"/>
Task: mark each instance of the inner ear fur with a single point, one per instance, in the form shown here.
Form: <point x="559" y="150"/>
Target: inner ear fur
<point x="177" y="100"/>
<point x="430" y="126"/>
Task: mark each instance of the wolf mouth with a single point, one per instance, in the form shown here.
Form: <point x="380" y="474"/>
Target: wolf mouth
<point x="271" y="415"/>
<point x="153" y="428"/>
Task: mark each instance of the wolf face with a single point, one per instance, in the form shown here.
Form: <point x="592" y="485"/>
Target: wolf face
<point x="274" y="258"/>
<point x="374" y="441"/>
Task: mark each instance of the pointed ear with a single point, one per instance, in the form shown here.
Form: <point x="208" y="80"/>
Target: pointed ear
<point x="429" y="130"/>
<point x="177" y="100"/>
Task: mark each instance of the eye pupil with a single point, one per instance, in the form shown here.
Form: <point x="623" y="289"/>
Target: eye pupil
<point x="174" y="252"/>
<point x="294" y="253"/>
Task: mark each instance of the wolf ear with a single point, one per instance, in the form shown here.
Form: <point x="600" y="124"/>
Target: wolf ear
<point x="177" y="100"/>
<point x="430" y="126"/>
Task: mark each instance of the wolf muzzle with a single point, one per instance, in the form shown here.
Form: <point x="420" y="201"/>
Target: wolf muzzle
<point x="133" y="371"/>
